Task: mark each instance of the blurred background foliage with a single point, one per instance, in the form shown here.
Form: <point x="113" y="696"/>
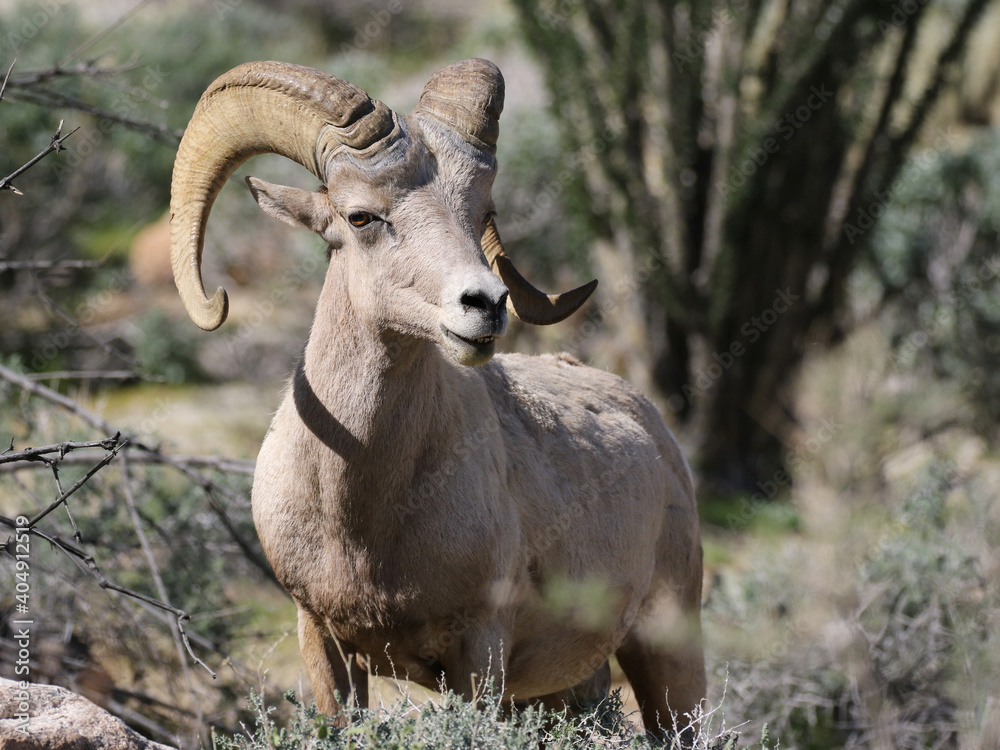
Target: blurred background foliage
<point x="851" y="551"/>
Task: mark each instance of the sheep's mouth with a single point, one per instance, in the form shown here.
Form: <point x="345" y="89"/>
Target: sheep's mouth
<point x="476" y="341"/>
<point x="471" y="350"/>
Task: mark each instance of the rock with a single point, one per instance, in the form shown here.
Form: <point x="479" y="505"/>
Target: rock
<point x="58" y="719"/>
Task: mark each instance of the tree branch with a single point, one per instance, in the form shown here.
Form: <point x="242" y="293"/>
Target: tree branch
<point x="161" y="589"/>
<point x="79" y="483"/>
<point x="35" y="454"/>
<point x="56" y="144"/>
<point x="901" y="144"/>
<point x="44" y="265"/>
<point x="184" y="465"/>
<point x="88" y="563"/>
<point x="55" y="100"/>
<point x="3" y="86"/>
<point x="182" y="462"/>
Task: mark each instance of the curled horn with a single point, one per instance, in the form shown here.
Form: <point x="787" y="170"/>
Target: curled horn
<point x="301" y="113"/>
<point x="468" y="98"/>
<point x="525" y="301"/>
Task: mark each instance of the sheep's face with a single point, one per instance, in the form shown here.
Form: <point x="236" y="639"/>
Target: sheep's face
<point x="405" y="231"/>
<point x="405" y="206"/>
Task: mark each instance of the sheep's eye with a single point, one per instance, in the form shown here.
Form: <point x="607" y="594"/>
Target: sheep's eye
<point x="361" y="218"/>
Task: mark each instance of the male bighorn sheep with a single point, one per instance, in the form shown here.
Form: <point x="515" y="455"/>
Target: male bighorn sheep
<point x="417" y="509"/>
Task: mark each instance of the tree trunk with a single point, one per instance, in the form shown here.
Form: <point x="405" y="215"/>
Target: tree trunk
<point x="740" y="139"/>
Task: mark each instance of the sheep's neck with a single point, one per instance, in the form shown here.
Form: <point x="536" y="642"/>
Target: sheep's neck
<point x="374" y="402"/>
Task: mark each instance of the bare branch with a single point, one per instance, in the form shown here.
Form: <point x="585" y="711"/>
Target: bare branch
<point x="902" y="143"/>
<point x="35" y="454"/>
<point x="92" y="375"/>
<point x="161" y="590"/>
<point x="56" y="398"/>
<point x="3" y="86"/>
<point x="88" y="563"/>
<point x="185" y="465"/>
<point x="88" y="69"/>
<point x="45" y="265"/>
<point x="110" y="349"/>
<point x="245" y="547"/>
<point x="218" y="463"/>
<point x="55" y="100"/>
<point x="104" y="32"/>
<point x="83" y="480"/>
<point x="56" y="144"/>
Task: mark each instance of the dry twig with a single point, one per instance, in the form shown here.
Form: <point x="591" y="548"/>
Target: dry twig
<point x="56" y="144"/>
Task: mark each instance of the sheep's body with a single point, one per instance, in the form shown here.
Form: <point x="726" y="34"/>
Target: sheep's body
<point x="425" y="514"/>
<point x="443" y="500"/>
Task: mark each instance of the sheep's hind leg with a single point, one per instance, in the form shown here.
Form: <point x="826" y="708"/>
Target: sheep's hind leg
<point x="667" y="681"/>
<point x="332" y="668"/>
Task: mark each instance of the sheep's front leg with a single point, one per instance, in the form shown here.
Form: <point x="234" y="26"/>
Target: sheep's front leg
<point x="332" y="668"/>
<point x="474" y="660"/>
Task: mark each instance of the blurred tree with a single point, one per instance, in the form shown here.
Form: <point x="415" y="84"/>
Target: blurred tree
<point x="733" y="156"/>
<point x="936" y="261"/>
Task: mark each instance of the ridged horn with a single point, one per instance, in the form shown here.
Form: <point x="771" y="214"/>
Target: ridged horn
<point x="525" y="301"/>
<point x="300" y="113"/>
<point x="466" y="96"/>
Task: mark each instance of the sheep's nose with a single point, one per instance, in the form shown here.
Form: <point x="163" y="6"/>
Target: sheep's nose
<point x="476" y="305"/>
<point x="489" y="301"/>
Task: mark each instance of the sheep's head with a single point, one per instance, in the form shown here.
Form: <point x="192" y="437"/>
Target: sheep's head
<point x="406" y="201"/>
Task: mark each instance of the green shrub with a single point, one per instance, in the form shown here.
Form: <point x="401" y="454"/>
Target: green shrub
<point x="455" y="723"/>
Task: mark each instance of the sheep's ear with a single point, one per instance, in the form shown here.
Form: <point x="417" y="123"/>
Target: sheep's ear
<point x="300" y="208"/>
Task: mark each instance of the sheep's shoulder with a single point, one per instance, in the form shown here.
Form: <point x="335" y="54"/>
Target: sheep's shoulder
<point x="551" y="393"/>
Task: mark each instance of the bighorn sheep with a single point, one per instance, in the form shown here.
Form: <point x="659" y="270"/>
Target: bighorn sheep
<point x="419" y="510"/>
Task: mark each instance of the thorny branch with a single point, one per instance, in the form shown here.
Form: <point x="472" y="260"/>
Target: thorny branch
<point x="88" y="563"/>
<point x="56" y="100"/>
<point x="3" y="86"/>
<point x="37" y="454"/>
<point x="137" y="451"/>
<point x="181" y="463"/>
<point x="77" y="485"/>
<point x="56" y="144"/>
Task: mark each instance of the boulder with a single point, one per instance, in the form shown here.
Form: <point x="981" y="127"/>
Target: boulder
<point x="58" y="719"/>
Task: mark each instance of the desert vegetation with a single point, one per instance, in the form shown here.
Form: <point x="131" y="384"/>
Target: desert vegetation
<point x="846" y="456"/>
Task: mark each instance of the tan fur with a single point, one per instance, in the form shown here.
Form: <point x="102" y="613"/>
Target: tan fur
<point x="424" y="513"/>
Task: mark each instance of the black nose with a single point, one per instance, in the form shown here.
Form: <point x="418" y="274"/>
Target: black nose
<point x="482" y="299"/>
